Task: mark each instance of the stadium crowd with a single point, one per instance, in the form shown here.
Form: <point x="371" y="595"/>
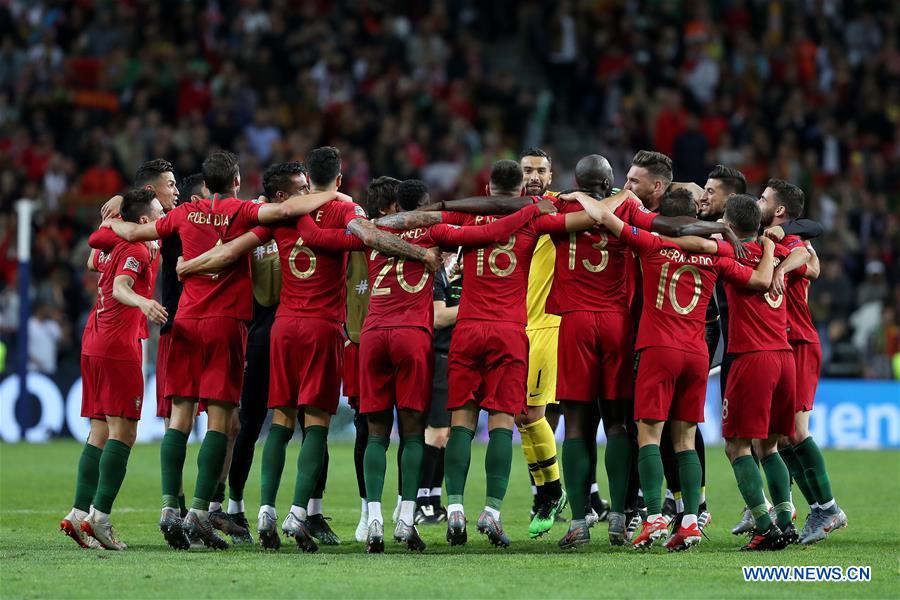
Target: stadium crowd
<point x="804" y="91"/>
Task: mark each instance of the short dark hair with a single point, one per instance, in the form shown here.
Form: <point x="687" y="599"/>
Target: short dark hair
<point x="192" y="185"/>
<point x="324" y="165"/>
<point x="789" y="196"/>
<point x="380" y="194"/>
<point x="136" y="203"/>
<point x="506" y="176"/>
<point x="733" y="180"/>
<point x="535" y="151"/>
<point x="678" y="203"/>
<point x="657" y="164"/>
<point x="410" y="193"/>
<point x="151" y="170"/>
<point x="277" y="177"/>
<point x="743" y="213"/>
<point x="219" y="170"/>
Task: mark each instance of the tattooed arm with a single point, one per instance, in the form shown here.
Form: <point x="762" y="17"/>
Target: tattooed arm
<point x="409" y="220"/>
<point x="392" y="245"/>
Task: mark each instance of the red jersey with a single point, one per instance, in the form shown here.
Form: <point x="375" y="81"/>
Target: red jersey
<point x="591" y="266"/>
<point x="402" y="292"/>
<point x="800" y="324"/>
<point x="201" y="225"/>
<point x="313" y="256"/>
<point x="756" y="320"/>
<point x="497" y="275"/>
<point x="114" y="330"/>
<point x="677" y="288"/>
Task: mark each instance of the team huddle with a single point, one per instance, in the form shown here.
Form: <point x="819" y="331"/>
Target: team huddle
<point x="593" y="305"/>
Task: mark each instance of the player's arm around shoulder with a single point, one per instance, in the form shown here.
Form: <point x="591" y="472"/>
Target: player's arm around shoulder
<point x="392" y="245"/>
<point x="220" y="257"/>
<point x="761" y="278"/>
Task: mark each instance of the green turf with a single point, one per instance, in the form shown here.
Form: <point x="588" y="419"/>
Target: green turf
<point x="36" y="486"/>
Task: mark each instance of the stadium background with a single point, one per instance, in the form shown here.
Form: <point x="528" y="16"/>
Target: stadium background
<point x="807" y="91"/>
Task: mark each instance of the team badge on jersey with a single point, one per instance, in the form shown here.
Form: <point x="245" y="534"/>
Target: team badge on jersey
<point x="132" y="264"/>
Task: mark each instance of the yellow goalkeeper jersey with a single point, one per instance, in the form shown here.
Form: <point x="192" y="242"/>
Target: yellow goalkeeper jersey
<point x="540" y="278"/>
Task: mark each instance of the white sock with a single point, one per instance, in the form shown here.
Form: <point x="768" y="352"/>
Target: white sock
<point x="299" y="512"/>
<point x="435" y="492"/>
<point x="407" y="508"/>
<point x="235" y="506"/>
<point x="689" y="520"/>
<point x="214" y="506"/>
<point x="534" y="490"/>
<point x="595" y="488"/>
<point x="100" y="517"/>
<point x="670" y="495"/>
<point x="455" y="508"/>
<point x="640" y="493"/>
<point x="363" y="506"/>
<point x="827" y="505"/>
<point x="423" y="493"/>
<point x="814" y="505"/>
<point x="492" y="511"/>
<point x="79" y="514"/>
<point x="374" y="513"/>
<point x="203" y="514"/>
<point x="679" y="505"/>
<point x="768" y="504"/>
<point x="315" y="506"/>
<point x="702" y="496"/>
<point x="399" y="500"/>
<point x="266" y="509"/>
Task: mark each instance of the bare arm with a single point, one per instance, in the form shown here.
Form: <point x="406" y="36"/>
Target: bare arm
<point x="298" y="205"/>
<point x="693" y="244"/>
<point x="681" y="226"/>
<point x="218" y="257"/>
<point x="444" y="316"/>
<point x="483" y="205"/>
<point x="132" y="232"/>
<point x="392" y="245"/>
<point x="796" y="259"/>
<point x="812" y="267"/>
<point x="124" y="293"/>
<point x="409" y="220"/>
<point x="90" y="262"/>
<point x="110" y="209"/>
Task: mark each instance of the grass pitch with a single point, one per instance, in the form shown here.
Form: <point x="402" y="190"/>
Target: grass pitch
<point x="36" y="561"/>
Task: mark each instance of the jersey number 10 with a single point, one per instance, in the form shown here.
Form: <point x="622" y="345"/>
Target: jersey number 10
<point x="673" y="286"/>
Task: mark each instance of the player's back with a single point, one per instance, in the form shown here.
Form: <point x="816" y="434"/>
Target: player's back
<point x="677" y="287"/>
<point x="758" y="320"/>
<point x="401" y="290"/>
<point x="497" y="274"/>
<point x="313" y="280"/>
<point x="114" y="330"/>
<point x="201" y="225"/>
<point x="799" y="319"/>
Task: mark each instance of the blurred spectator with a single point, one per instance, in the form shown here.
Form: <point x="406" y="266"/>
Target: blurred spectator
<point x="44" y="336"/>
<point x="806" y="91"/>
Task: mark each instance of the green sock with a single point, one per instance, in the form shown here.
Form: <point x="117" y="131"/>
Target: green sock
<point x="113" y="464"/>
<point x="813" y="462"/>
<point x="650" y="469"/>
<point x="457" y="456"/>
<point x="209" y="467"/>
<point x="689" y="474"/>
<point x="779" y="487"/>
<point x="750" y="484"/>
<point x="235" y="494"/>
<point x="87" y="477"/>
<point x="375" y="466"/>
<point x="411" y="465"/>
<point x="273" y="462"/>
<point x="497" y="465"/>
<point x="219" y="494"/>
<point x="576" y="464"/>
<point x="796" y="470"/>
<point x="309" y="463"/>
<point x="171" y="459"/>
<point x="618" y="468"/>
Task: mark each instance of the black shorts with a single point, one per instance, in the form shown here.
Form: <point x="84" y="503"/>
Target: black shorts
<point x="438" y="415"/>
